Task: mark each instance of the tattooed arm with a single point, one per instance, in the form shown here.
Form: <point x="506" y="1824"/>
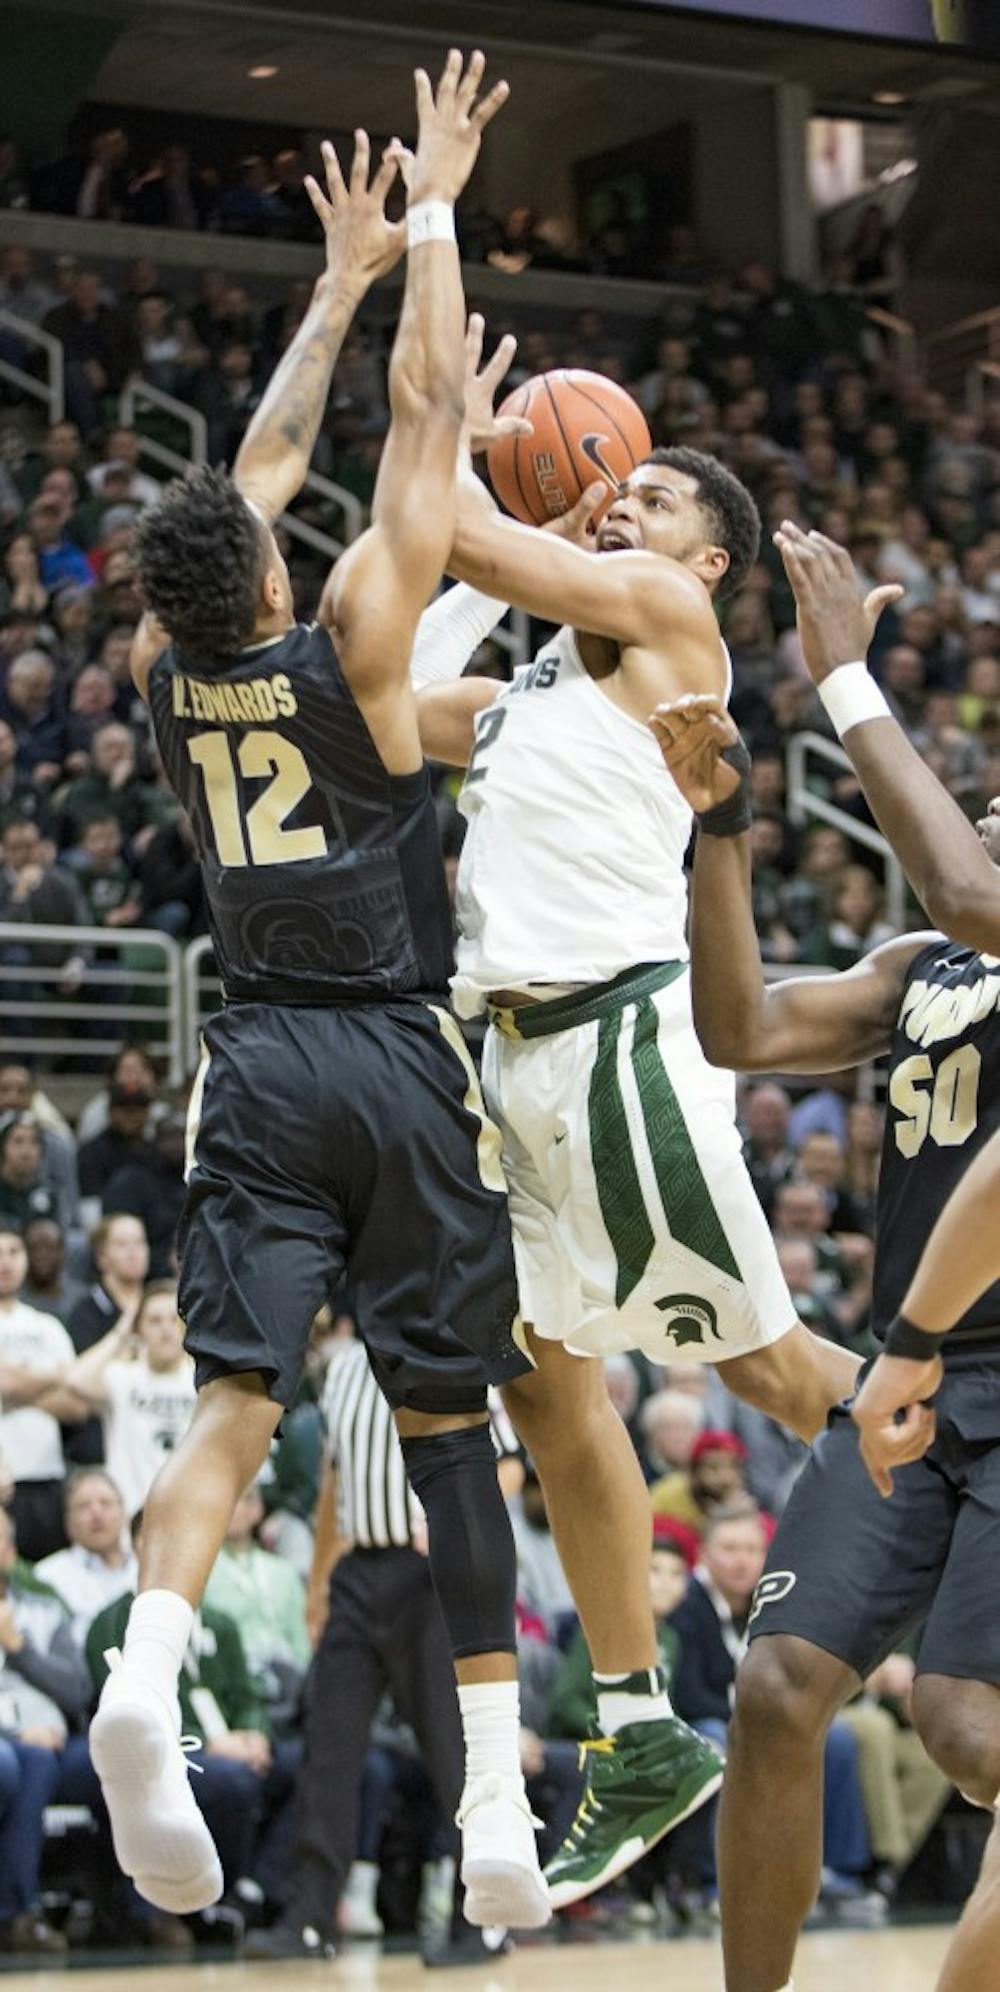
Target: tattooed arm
<point x="361" y="245"/>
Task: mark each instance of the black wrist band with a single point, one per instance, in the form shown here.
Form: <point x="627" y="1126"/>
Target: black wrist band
<point x="732" y="817"/>
<point x="915" y="1345"/>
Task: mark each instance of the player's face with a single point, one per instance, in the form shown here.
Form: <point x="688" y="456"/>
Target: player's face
<point x="989" y="830"/>
<point x="656" y="510"/>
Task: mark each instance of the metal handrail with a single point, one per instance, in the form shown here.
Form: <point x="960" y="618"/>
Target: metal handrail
<point x="141" y="392"/>
<point x="71" y="1012"/>
<point x="804" y="802"/>
<point x="350" y="504"/>
<point x="53" y="388"/>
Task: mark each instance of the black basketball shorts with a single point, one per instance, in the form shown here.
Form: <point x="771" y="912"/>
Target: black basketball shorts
<point x="854" y="1573"/>
<point x="351" y="1142"/>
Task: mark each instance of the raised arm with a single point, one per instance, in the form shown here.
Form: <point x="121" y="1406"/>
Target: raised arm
<point x="378" y="589"/>
<point x="627" y="596"/>
<point x="936" y="845"/>
<point x="960" y="1260"/>
<point x="86" y="1376"/>
<point x="361" y="245"/>
<point x="806" y="1024"/>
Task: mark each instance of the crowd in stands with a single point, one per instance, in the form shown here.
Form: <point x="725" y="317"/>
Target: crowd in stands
<point x="799" y="393"/>
<point x="96" y="1388"/>
<point x="112" y="178"/>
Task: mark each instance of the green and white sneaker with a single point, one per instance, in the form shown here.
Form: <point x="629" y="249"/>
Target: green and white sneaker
<point x="639" y="1785"/>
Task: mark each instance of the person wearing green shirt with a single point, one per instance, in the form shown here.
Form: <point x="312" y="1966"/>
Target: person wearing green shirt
<point x="573" y="1707"/>
<point x="266" y="1600"/>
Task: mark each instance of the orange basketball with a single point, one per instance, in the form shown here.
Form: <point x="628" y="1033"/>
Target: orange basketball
<point x="584" y="427"/>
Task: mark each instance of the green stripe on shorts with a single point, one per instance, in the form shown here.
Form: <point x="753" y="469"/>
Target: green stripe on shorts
<point x="619" y="1190"/>
<point x="687" y="1202"/>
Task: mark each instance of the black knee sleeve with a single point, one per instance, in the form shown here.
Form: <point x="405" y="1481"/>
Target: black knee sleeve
<point x="471" y="1546"/>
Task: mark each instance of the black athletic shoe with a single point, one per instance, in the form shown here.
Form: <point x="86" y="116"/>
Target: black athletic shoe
<point x="468" y="1947"/>
<point x="285" y="1940"/>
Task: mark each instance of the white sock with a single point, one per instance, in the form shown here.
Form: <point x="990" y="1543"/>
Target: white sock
<point x="362" y="1882"/>
<point x="156" y="1638"/>
<point x="626" y="1698"/>
<point x="491" y="1722"/>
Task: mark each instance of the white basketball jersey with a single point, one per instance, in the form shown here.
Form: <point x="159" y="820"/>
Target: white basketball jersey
<point x="572" y="868"/>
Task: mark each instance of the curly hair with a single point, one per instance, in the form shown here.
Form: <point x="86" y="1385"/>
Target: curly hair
<point x="200" y="555"/>
<point x="733" y="517"/>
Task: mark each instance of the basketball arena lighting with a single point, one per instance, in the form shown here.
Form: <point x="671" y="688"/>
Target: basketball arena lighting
<point x="263" y="71"/>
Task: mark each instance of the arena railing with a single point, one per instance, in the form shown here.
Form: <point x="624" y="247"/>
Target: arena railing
<point x="964" y="356"/>
<point x="803" y="802"/>
<point x="76" y="994"/>
<point x="140" y="394"/>
<point x="50" y="387"/>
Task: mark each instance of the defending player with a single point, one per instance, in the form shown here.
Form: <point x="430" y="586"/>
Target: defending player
<point x="336" y="1121"/>
<point x="848" y="1574"/>
<point x="635" y="1222"/>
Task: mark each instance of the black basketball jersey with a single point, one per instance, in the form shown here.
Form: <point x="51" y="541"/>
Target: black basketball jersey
<point x="943" y="1104"/>
<point x="323" y="873"/>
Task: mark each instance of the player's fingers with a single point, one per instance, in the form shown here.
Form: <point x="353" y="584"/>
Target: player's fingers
<point x="448" y="79"/>
<point x="837" y="553"/>
<point x="667" y="727"/>
<point x="334" y="177"/>
<point x="485" y="112"/>
<point x="794" y="532"/>
<point x="317" y="197"/>
<point x="468" y="88"/>
<point x="388" y="168"/>
<point x="880" y="599"/>
<point x="512" y="425"/>
<point x="405" y="159"/>
<point x="361" y="162"/>
<point x="576" y="524"/>
<point x="502" y="361"/>
<point x="474" y="333"/>
<point x="425" y="95"/>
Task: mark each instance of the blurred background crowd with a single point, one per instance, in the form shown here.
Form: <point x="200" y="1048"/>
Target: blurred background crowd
<point x="809" y="394"/>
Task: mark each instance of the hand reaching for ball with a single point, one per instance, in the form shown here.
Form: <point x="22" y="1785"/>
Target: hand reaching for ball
<point x="482" y="426"/>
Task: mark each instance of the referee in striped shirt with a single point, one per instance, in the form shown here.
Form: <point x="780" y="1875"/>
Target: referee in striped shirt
<point x="370" y="1591"/>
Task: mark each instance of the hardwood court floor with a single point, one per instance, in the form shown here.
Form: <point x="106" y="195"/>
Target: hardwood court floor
<point x="846" y="1961"/>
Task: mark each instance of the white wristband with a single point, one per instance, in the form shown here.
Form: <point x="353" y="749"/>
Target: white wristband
<point x="430" y="221"/>
<point x="851" y="695"/>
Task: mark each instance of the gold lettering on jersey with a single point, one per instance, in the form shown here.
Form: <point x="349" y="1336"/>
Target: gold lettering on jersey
<point x="286" y="700"/>
<point x="257" y="703"/>
<point x="931" y="1015"/>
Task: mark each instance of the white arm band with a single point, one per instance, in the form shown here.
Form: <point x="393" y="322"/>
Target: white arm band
<point x="449" y="632"/>
<point x="851" y="695"/>
<point x="430" y="221"/>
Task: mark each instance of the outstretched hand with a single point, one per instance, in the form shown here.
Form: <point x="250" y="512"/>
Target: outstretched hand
<point x="692" y="734"/>
<point x="895" y="1419"/>
<point x="836" y="622"/>
<point x="361" y="244"/>
<point x="482" y="426"/>
<point x="576" y="525"/>
<point x="451" y="124"/>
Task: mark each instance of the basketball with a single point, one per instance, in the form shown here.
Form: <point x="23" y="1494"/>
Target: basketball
<point x="584" y="426"/>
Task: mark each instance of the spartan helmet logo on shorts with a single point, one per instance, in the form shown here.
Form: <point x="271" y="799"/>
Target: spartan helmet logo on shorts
<point x="688" y="1317"/>
<point x="774" y="1585"/>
